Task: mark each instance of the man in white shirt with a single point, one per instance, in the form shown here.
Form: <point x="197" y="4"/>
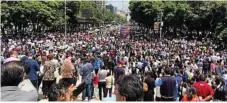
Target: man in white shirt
<point x="102" y="74"/>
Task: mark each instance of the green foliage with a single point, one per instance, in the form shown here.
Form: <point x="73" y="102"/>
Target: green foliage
<point x="37" y="16"/>
<point x="183" y="17"/>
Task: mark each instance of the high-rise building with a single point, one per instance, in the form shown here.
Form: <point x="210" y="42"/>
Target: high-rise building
<point x="100" y="3"/>
<point x="111" y="8"/>
<point x="115" y="10"/>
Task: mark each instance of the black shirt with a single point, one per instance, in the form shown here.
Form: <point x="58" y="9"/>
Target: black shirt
<point x="151" y="84"/>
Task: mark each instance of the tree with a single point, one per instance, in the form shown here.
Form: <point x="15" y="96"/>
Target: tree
<point x="72" y="11"/>
<point x="187" y="18"/>
<point x="20" y="17"/>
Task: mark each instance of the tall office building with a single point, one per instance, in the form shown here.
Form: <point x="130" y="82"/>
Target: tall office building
<point x="111" y="8"/>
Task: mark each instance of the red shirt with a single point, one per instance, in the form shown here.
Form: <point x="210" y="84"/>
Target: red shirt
<point x="111" y="52"/>
<point x="203" y="89"/>
<point x="138" y="52"/>
<point x="96" y="80"/>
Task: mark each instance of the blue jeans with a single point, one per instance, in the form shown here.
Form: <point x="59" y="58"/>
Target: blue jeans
<point x="87" y="92"/>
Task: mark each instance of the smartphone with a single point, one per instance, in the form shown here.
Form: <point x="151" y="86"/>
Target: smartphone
<point x="79" y="89"/>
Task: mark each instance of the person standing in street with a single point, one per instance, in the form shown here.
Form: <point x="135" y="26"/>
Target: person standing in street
<point x="204" y="90"/>
<point x="109" y="84"/>
<point x="95" y="84"/>
<point x="111" y="65"/>
<point x="67" y="71"/>
<point x="102" y="74"/>
<point x="48" y="74"/>
<point x="149" y="80"/>
<point x="118" y="71"/>
<point x="12" y="75"/>
<point x="86" y="73"/>
<point x="168" y="86"/>
<point x="98" y="63"/>
<point x="34" y="69"/>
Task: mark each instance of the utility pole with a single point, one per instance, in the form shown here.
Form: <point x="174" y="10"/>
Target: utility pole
<point x="65" y="18"/>
<point x="161" y="24"/>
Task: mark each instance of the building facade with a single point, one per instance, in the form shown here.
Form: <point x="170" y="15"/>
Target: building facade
<point x="111" y="8"/>
<point x="100" y="3"/>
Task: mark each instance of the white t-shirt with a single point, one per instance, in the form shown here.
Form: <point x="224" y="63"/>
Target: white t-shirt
<point x="139" y="65"/>
<point x="156" y="63"/>
<point x="195" y="67"/>
<point x="126" y="59"/>
<point x="134" y="64"/>
<point x="41" y="68"/>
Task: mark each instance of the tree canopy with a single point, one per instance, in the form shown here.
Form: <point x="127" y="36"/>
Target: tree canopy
<point x="201" y="19"/>
<point x="37" y="16"/>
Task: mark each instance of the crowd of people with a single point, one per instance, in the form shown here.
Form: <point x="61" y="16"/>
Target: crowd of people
<point x="107" y="64"/>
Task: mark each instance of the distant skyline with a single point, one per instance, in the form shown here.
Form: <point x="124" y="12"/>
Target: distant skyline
<point x="120" y="4"/>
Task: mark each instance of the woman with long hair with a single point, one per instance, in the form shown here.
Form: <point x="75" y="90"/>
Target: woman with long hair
<point x="67" y="71"/>
<point x="191" y="95"/>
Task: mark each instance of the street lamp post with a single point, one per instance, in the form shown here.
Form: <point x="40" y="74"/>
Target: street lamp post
<point x="65" y="18"/>
<point x="161" y="24"/>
